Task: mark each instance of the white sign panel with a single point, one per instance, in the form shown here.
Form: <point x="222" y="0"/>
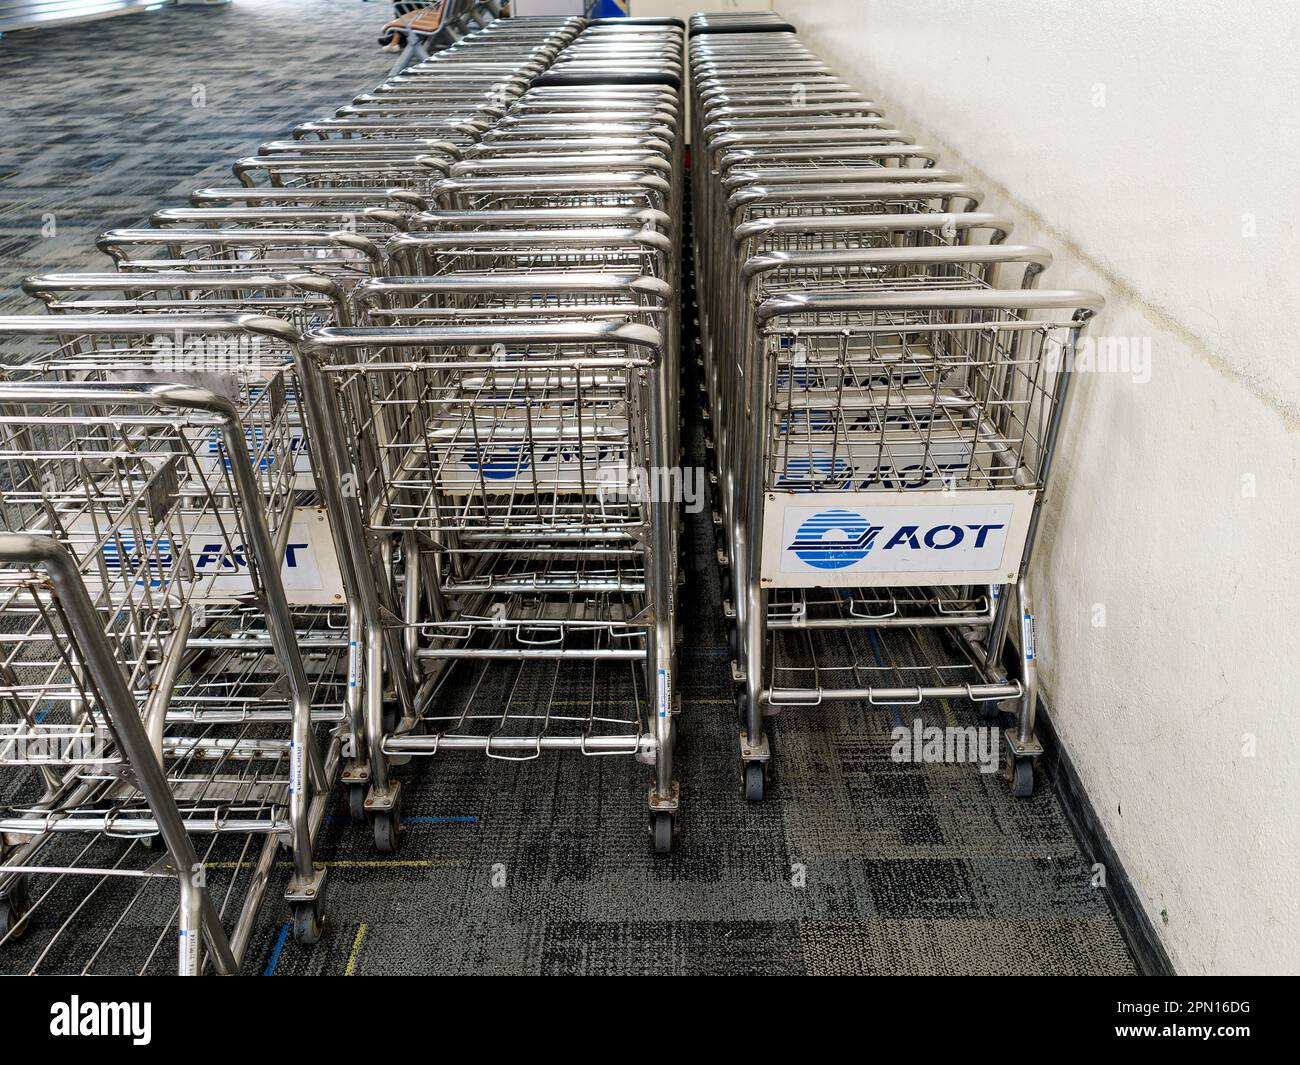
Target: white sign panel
<point x="218" y="571"/>
<point x="542" y="450"/>
<point x="530" y="467"/>
<point x="875" y="539"/>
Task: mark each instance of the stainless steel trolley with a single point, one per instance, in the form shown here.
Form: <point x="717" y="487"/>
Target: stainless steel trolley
<point x="886" y="391"/>
<point x="175" y="504"/>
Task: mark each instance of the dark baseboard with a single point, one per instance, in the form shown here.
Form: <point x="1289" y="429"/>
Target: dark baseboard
<point x="1087" y="827"/>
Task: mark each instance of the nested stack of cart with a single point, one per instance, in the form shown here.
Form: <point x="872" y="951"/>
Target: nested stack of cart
<point x="887" y="385"/>
<point x="181" y="619"/>
<point x="504" y="418"/>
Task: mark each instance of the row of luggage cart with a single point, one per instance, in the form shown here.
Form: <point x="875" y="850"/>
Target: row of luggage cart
<point x="886" y="386"/>
<point x="349" y="462"/>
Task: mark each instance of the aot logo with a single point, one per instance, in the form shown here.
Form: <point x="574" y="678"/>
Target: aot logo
<point x="817" y="469"/>
<point x="837" y="539"/>
<point x="834" y="539"/>
<point x="122" y="555"/>
<point x="506" y="463"/>
<point x="497" y="464"/>
<point x="256" y="439"/>
<point x="215" y="555"/>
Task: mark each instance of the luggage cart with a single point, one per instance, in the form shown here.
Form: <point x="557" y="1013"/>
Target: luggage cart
<point x="340" y="197"/>
<point x="323" y="630"/>
<point x="925" y="422"/>
<point x="886" y="387"/>
<point x="214" y="676"/>
<point x="111" y="446"/>
<point x="71" y="730"/>
<point x="340" y="254"/>
<point x="761" y="250"/>
<point x="496" y="461"/>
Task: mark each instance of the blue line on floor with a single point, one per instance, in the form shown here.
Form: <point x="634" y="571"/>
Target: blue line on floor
<point x="337" y="819"/>
<point x="274" y="959"/>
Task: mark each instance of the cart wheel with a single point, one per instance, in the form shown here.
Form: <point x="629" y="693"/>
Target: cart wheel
<point x="733" y="640"/>
<point x="1022" y="778"/>
<point x="989" y="711"/>
<point x="388" y="830"/>
<point x="661" y="828"/>
<point x="742" y="705"/>
<point x="357" y="803"/>
<point x="307" y="922"/>
<point x="392" y="715"/>
<point x="13" y="912"/>
<point x="755" y="781"/>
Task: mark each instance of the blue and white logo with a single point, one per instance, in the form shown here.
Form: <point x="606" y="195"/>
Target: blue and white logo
<point x="497" y="464"/>
<point x="817" y="469"/>
<point x="256" y="438"/>
<point x="125" y="555"/>
<point x="834" y="539"/>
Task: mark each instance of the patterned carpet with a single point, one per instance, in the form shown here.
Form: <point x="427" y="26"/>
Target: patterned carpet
<point x="854" y="864"/>
<point x="103" y="123"/>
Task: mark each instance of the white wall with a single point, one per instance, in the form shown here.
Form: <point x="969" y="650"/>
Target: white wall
<point x="1153" y="147"/>
<point x="547" y="7"/>
<point x="684" y="9"/>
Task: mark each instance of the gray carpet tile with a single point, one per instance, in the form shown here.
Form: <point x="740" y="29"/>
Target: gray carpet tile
<point x="854" y="864"/>
<point x="99" y="125"/>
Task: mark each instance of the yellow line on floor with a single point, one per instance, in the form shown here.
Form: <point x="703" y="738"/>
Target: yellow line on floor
<point x="351" y="969"/>
<point x="390" y="863"/>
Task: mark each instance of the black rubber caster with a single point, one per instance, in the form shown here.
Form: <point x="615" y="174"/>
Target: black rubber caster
<point x="13" y="912"/>
<point x="357" y="803"/>
<point x="307" y="922"/>
<point x="392" y="715"/>
<point x="755" y="781"/>
<point x="989" y="711"/>
<point x="661" y="831"/>
<point x="1021" y="771"/>
<point x="387" y="825"/>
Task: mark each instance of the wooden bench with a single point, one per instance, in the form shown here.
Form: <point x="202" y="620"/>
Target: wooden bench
<point x="425" y="20"/>
<point x="416" y="27"/>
